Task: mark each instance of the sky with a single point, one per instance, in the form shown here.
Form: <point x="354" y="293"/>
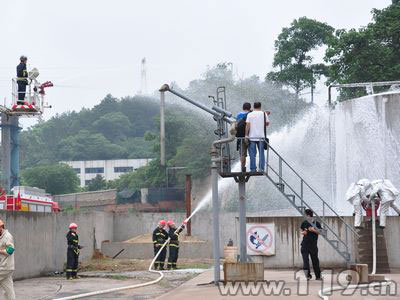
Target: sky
<point x="91" y="48"/>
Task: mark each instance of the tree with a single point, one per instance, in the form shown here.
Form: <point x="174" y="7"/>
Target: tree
<point x="89" y="146"/>
<point x="292" y="56"/>
<point x="114" y="126"/>
<point x="55" y="179"/>
<point x="369" y="54"/>
<point x="96" y="184"/>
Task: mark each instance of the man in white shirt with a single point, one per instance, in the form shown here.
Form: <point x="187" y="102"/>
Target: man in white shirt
<point x="255" y="132"/>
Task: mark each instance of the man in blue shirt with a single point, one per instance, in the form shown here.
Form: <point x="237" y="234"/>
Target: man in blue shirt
<point x="241" y="132"/>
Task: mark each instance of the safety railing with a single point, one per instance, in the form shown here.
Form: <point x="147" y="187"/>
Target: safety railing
<point x="295" y="189"/>
<point x="238" y="149"/>
<point x="285" y="177"/>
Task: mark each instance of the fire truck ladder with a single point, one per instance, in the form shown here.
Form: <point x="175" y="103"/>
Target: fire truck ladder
<point x="295" y="189"/>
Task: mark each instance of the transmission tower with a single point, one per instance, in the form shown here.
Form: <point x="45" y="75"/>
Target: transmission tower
<point x="143" y="77"/>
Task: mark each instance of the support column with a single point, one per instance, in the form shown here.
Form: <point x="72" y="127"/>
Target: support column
<point x="188" y="200"/>
<point x="162" y="128"/>
<point x="10" y="151"/>
<point x="14" y="151"/>
<point x="242" y="218"/>
<point x="215" y="206"/>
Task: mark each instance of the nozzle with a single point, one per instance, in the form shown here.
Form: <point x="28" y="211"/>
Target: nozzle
<point x="164" y="88"/>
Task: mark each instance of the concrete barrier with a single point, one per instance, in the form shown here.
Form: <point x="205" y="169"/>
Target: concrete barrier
<point x="40" y="238"/>
<point x="41" y="244"/>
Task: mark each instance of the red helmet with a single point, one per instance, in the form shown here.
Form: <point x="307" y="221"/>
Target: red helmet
<point x="73" y="226"/>
<point x="162" y="222"/>
<point x="170" y="223"/>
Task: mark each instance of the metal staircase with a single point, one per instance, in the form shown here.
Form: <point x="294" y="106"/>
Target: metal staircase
<point x="295" y="189"/>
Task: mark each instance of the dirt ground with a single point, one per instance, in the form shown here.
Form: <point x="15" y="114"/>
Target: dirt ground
<point x="106" y="273"/>
<point x="121" y="265"/>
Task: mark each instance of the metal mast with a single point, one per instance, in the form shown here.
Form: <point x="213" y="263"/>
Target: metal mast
<point x="143" y="77"/>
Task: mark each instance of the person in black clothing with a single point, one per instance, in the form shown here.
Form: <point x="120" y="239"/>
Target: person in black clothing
<point x="241" y="145"/>
<point x="309" y="247"/>
<point x="173" y="233"/>
<point x="22" y="79"/>
<point x="72" y="252"/>
<point x="160" y="236"/>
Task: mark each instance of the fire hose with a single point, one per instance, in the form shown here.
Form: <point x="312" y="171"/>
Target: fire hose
<point x="123" y="288"/>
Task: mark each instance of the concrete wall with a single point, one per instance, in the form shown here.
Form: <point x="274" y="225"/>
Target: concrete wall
<point x="41" y="245"/>
<point x="288" y="238"/>
<point x="40" y="240"/>
<point x="128" y="225"/>
<point x="95" y="199"/>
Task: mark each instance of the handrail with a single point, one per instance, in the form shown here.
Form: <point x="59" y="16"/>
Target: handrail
<point x="315" y="213"/>
<point x="315" y="193"/>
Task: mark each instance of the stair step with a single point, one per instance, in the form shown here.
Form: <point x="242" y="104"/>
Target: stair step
<point x="335" y="242"/>
<point x="302" y="208"/>
<point x="323" y="231"/>
<point x="293" y="197"/>
<point x="345" y="254"/>
<point x="280" y="186"/>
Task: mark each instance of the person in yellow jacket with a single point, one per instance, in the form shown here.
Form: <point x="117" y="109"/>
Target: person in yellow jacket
<point x="7" y="265"/>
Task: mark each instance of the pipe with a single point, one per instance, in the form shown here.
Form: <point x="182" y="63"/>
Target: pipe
<point x="373" y="238"/>
<point x="165" y="88"/>
<point x="188" y="200"/>
<point x="215" y="213"/>
<point x="242" y="218"/>
<point x="162" y="128"/>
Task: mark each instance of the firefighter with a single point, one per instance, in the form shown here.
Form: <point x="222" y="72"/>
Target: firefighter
<point x="6" y="262"/>
<point x="160" y="236"/>
<point x="72" y="252"/>
<point x="173" y="233"/>
<point x="22" y="79"/>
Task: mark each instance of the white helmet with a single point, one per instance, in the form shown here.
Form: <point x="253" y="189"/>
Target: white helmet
<point x="365" y="187"/>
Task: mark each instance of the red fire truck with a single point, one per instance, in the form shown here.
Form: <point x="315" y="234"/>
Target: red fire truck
<point x="26" y="198"/>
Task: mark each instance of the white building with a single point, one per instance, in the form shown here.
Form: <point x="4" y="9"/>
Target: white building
<point x="109" y="169"/>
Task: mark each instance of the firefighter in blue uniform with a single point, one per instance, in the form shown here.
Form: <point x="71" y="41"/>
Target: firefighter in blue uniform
<point x="22" y="79"/>
<point x="72" y="252"/>
<point x="160" y="236"/>
<point x="173" y="244"/>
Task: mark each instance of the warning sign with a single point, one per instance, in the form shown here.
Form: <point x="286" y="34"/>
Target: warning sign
<point x="260" y="239"/>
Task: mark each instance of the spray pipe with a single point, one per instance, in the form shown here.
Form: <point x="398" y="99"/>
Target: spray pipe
<point x="129" y="287"/>
<point x="367" y="285"/>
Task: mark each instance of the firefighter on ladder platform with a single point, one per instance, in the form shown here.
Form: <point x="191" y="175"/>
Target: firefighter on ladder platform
<point x="22" y="79"/>
<point x="173" y="244"/>
<point x="160" y="236"/>
<point x="72" y="252"/>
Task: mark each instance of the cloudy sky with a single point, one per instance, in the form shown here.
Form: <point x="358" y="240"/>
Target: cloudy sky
<point x="89" y="48"/>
